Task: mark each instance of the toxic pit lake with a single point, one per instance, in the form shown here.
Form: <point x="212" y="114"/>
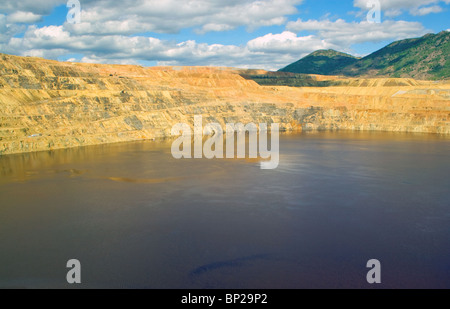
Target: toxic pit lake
<point x="135" y="217"/>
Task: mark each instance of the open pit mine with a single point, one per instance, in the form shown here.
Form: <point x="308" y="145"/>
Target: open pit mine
<point x="47" y="105"/>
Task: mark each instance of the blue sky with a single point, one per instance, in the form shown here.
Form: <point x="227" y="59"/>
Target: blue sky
<point x="266" y="34"/>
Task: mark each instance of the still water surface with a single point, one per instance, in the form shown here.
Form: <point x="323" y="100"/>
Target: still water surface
<point x="137" y="218"/>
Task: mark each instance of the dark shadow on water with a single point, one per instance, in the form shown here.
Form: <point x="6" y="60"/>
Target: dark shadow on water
<point x="239" y="262"/>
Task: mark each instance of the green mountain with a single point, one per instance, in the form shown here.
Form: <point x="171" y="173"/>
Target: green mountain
<point x="420" y="58"/>
<point x="322" y="62"/>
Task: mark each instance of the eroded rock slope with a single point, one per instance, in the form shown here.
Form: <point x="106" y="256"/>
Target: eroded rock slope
<point x="48" y="105"/>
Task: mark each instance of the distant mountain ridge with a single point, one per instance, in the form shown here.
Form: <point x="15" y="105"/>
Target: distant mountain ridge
<point x="419" y="58"/>
<point x="321" y="62"/>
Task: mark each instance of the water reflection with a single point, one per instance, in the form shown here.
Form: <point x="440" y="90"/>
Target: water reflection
<point x="136" y="217"/>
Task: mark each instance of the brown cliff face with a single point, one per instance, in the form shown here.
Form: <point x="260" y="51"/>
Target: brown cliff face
<point x="48" y="105"/>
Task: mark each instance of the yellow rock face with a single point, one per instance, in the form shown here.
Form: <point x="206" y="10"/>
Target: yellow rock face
<point x="48" y="105"/>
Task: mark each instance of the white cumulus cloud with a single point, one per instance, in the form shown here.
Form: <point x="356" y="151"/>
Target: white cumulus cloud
<point x="170" y="16"/>
<point x="426" y="10"/>
<point x="393" y="8"/>
<point x="271" y="51"/>
<point x="24" y="17"/>
<point x="40" y="7"/>
<point x="345" y="34"/>
<point x="288" y="42"/>
<point x="111" y="31"/>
